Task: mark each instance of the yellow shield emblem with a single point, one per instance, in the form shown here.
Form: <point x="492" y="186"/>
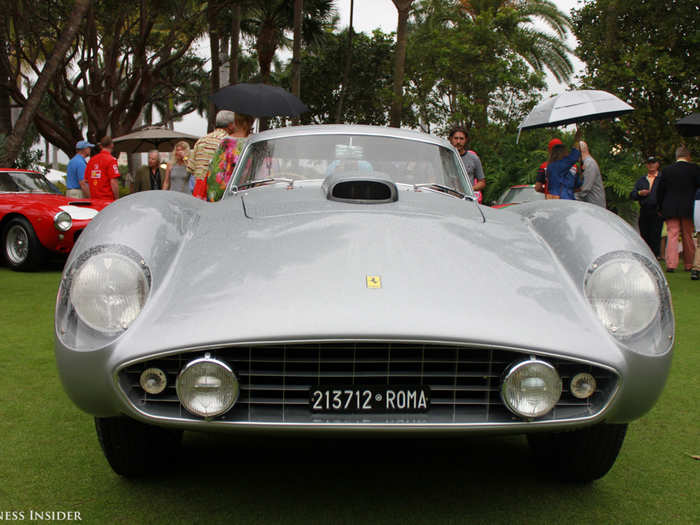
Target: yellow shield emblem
<point x="374" y="281"/>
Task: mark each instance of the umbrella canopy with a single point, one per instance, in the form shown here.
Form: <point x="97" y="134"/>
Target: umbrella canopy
<point x="689" y="126"/>
<point x="259" y="100"/>
<point x="146" y="139"/>
<point x="575" y="106"/>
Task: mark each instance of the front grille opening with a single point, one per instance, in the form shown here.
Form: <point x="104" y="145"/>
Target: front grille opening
<point x="275" y="381"/>
<point x="363" y="191"/>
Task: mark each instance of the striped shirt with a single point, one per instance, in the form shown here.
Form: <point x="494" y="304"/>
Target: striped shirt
<point x="203" y="151"/>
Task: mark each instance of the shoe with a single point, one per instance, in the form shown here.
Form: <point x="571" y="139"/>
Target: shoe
<point x="694" y="275"/>
<point x="670" y="270"/>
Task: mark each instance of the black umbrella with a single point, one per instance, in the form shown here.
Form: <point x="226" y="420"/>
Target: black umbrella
<point x="259" y="100"/>
<point x="689" y="126"/>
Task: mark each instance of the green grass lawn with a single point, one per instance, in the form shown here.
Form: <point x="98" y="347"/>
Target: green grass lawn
<point x="50" y="459"/>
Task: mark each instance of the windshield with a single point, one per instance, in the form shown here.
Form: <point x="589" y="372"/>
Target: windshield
<point x="520" y="195"/>
<point x="25" y="182"/>
<point x="318" y="156"/>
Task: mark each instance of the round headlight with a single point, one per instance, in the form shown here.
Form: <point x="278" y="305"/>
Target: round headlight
<point x="624" y="293"/>
<point x="62" y="221"/>
<point x="207" y="387"/>
<point x="531" y="388"/>
<point x="108" y="292"/>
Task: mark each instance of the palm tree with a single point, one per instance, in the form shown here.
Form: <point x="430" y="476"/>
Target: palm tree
<point x="403" y="7"/>
<point x="538" y="48"/>
<point x="268" y="20"/>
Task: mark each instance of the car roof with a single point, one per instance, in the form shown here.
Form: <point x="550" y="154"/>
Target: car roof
<point x="348" y="129"/>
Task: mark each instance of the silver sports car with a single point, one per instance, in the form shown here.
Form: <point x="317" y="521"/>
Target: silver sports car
<point x="348" y="281"/>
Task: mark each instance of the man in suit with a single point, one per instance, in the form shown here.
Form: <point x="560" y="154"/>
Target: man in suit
<point x="675" y="196"/>
<point x="650" y="222"/>
<point x="149" y="177"/>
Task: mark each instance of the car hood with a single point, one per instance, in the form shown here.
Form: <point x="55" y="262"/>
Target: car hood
<point x="79" y="209"/>
<point x="296" y="267"/>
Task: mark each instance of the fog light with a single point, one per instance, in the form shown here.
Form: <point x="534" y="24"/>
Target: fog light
<point x="153" y="380"/>
<point x="582" y="385"/>
<point x="207" y="387"/>
<point x="531" y="388"/>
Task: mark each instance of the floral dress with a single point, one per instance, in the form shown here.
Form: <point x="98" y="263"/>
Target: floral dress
<point x="221" y="166"/>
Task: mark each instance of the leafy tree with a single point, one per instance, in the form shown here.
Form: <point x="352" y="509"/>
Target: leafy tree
<point x="645" y="52"/>
<point x="13" y="144"/>
<point x="125" y="51"/>
<point x="269" y="20"/>
<point x="367" y="97"/>
<point x="461" y="71"/>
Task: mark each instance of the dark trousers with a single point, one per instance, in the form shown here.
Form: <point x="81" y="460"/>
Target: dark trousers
<point x="650" y="225"/>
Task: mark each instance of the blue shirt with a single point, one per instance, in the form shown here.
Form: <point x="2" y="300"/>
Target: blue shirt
<point x="562" y="176"/>
<point x="75" y="172"/>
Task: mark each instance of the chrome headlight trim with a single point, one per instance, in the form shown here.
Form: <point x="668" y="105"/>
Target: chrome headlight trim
<point x="638" y="314"/>
<point x="62" y="221"/>
<point x="229" y="386"/>
<point x="72" y="327"/>
<point x="512" y="384"/>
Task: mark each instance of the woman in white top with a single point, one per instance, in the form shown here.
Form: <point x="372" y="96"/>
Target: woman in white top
<point x="176" y="176"/>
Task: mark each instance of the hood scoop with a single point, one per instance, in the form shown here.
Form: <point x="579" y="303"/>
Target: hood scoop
<point x="359" y="189"/>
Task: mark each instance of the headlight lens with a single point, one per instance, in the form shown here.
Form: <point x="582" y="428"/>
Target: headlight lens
<point x="624" y="293"/>
<point x="62" y="221"/>
<point x="531" y="388"/>
<point x="108" y="292"/>
<point x="207" y="387"/>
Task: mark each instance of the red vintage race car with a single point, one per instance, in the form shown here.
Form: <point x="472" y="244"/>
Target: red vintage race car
<point x="517" y="195"/>
<point x="36" y="218"/>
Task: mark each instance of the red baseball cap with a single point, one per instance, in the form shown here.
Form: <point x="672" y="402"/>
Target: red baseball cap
<point x="554" y="142"/>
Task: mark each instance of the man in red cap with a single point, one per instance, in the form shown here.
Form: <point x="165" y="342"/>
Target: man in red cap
<point x="541" y="180"/>
<point x="102" y="173"/>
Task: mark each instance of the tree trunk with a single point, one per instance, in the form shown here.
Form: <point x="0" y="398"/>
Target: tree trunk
<point x="235" y="44"/>
<point x="296" y="51"/>
<point x="5" y="111"/>
<point x="215" y="59"/>
<point x="14" y="141"/>
<point x="403" y="7"/>
<point x="346" y="73"/>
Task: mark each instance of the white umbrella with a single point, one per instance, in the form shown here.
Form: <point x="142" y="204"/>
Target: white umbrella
<point x="575" y="106"/>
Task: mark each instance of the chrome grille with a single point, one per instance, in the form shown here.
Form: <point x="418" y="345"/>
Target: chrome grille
<point x="275" y="381"/>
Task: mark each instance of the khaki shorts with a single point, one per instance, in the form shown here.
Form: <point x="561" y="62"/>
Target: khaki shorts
<point x="75" y="194"/>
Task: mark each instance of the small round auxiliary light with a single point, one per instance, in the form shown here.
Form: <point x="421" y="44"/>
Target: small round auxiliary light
<point x="207" y="387"/>
<point x="153" y="380"/>
<point x="531" y="388"/>
<point x="582" y="385"/>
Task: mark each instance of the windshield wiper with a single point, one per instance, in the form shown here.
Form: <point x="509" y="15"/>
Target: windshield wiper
<point x="442" y="188"/>
<point x="255" y="182"/>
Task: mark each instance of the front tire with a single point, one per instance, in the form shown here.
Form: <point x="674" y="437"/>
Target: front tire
<point x="20" y="245"/>
<point x="133" y="448"/>
<point x="581" y="455"/>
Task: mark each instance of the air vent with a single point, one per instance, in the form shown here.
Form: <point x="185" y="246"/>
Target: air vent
<point x="361" y="190"/>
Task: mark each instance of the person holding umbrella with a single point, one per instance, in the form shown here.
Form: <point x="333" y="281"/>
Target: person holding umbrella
<point x="562" y="177"/>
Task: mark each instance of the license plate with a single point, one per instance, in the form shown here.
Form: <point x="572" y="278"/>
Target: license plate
<point x="369" y="399"/>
